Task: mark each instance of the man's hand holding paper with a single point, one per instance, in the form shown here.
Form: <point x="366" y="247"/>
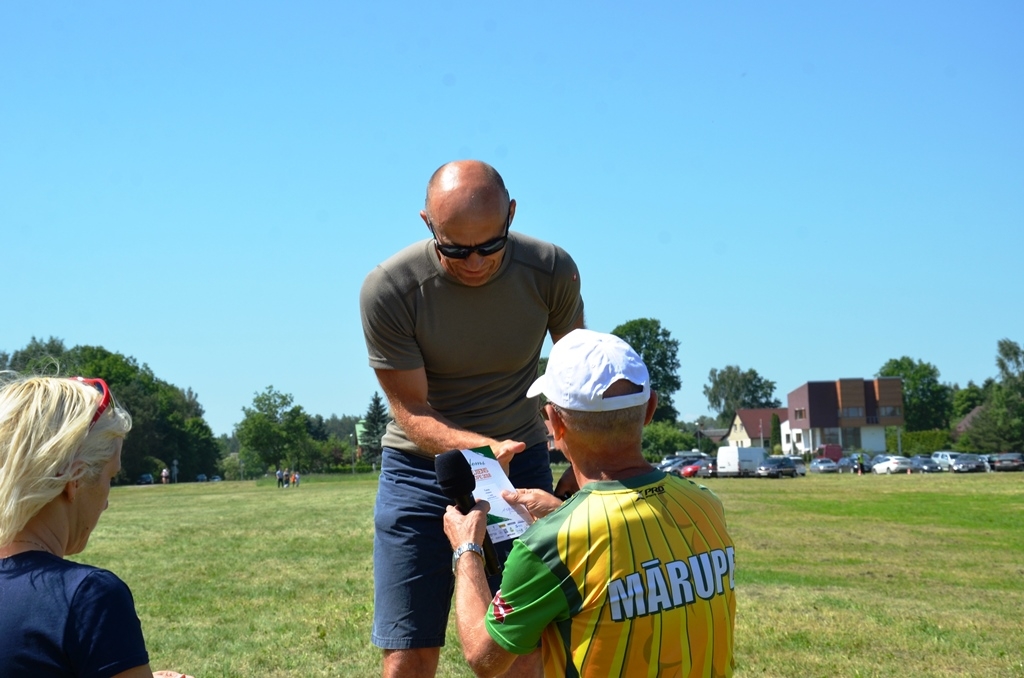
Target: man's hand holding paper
<point x="504" y="520"/>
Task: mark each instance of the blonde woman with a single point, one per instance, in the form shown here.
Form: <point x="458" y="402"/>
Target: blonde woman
<point x="60" y="448"/>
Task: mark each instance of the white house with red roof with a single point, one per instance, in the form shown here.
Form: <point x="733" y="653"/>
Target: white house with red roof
<point x="753" y="428"/>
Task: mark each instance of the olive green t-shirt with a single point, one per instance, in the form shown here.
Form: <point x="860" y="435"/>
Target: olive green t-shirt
<point x="479" y="346"/>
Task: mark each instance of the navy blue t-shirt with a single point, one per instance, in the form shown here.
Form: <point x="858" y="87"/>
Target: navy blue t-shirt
<point x="60" y="618"/>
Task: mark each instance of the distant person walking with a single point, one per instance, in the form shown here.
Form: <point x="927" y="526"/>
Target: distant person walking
<point x="280" y="478"/>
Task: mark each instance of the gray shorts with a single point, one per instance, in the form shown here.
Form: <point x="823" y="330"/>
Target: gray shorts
<point x="412" y="559"/>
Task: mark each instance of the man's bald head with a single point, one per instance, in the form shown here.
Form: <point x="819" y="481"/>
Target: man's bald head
<point x="467" y="205"/>
<point x="465" y="188"/>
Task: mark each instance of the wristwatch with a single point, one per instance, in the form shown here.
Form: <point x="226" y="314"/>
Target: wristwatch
<point x="466" y="548"/>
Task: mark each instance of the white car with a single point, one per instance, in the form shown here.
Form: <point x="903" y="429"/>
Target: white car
<point x="944" y="458"/>
<point x="892" y="464"/>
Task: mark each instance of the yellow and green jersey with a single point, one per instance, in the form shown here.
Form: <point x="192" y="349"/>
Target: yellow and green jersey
<point x="627" y="578"/>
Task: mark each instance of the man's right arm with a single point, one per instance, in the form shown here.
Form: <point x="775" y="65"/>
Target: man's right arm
<point x="472" y="594"/>
<point x="406" y="391"/>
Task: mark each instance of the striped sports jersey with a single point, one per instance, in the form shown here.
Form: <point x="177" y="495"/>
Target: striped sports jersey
<point x="627" y="578"/>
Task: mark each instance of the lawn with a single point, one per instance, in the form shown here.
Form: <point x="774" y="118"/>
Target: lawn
<point x="837" y="575"/>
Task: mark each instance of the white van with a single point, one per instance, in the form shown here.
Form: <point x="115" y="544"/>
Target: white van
<point x="739" y="462"/>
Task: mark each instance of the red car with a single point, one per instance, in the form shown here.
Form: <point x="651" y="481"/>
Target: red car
<point x="705" y="468"/>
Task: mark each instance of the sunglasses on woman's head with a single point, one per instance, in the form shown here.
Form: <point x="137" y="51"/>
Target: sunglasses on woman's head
<point x="104" y="390"/>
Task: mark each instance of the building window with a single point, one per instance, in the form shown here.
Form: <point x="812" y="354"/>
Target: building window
<point x="888" y="411"/>
<point x="800" y="413"/>
<point x="830" y="436"/>
<point x="851" y="439"/>
<point x="851" y="412"/>
<point x="797" y="434"/>
<point x="787" y="438"/>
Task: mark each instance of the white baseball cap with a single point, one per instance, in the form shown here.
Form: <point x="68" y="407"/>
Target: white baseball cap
<point x="581" y="367"/>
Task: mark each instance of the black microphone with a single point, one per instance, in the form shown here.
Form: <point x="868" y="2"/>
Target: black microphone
<point x="455" y="476"/>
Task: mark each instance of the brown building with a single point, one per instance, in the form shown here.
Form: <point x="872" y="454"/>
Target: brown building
<point x="848" y="412"/>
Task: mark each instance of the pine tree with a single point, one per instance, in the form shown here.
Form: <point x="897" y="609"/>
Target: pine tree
<point x="374" y="424"/>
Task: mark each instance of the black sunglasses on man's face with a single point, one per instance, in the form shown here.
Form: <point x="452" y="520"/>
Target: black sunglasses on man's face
<point x="484" y="249"/>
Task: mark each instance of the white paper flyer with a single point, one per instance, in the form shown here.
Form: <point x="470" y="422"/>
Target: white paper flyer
<point x="504" y="521"/>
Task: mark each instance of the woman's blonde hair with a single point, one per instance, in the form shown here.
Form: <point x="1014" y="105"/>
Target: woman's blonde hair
<point x="47" y="439"/>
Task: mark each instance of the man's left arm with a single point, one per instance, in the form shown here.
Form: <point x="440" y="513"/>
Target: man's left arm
<point x="578" y="325"/>
<point x="565" y="303"/>
<point x="537" y="503"/>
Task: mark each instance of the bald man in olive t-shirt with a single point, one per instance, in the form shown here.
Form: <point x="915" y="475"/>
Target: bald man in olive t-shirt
<point x="454" y="327"/>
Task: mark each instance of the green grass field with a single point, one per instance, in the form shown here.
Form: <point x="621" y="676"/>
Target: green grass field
<point x="837" y="576"/>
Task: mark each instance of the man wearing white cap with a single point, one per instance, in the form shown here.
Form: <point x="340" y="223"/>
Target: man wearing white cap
<point x="633" y="575"/>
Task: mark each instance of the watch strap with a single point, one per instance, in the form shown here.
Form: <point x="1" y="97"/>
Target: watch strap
<point x="466" y="548"/>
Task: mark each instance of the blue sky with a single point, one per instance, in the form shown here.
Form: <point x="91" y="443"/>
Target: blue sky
<point x="806" y="189"/>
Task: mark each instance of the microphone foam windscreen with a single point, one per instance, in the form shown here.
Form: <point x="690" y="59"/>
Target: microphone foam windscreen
<point x="454" y="474"/>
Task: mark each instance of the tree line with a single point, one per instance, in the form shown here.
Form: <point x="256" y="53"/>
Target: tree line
<point x="169" y="427"/>
<point x="275" y="432"/>
<point x="993" y="412"/>
<point x="167" y="421"/>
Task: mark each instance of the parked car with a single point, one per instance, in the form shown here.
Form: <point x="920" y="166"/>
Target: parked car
<point x="877" y="459"/>
<point x="707" y="468"/>
<point x="777" y="467"/>
<point x="201" y="478"/>
<point x="685" y="470"/>
<point x="1009" y="461"/>
<point x="922" y="463"/>
<point x="824" y="465"/>
<point x="892" y="463"/>
<point x="700" y="467"/>
<point x="216" y="479"/>
<point x="848" y="464"/>
<point x="679" y="462"/>
<point x="146" y="479"/>
<point x="669" y="463"/>
<point x="944" y="458"/>
<point x="967" y="463"/>
<point x="801" y="467"/>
